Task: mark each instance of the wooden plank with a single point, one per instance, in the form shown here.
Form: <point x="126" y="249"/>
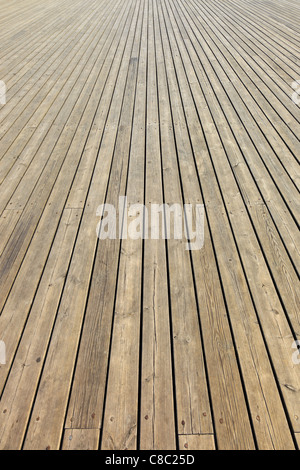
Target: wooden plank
<point x="121" y="404"/>
<point x="297" y="436"/>
<point x="197" y="442"/>
<point x="8" y="221"/>
<point x="157" y="428"/>
<point x="81" y="439"/>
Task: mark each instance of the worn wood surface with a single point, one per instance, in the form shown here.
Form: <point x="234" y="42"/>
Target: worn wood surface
<point x="140" y="343"/>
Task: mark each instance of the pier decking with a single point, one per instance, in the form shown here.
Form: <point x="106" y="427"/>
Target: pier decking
<point x="141" y="343"/>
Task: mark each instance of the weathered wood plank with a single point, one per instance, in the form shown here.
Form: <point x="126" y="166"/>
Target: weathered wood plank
<point x="81" y="439"/>
<point x="196" y="442"/>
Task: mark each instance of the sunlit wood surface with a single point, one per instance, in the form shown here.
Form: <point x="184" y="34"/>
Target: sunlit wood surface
<point x="141" y="343"/>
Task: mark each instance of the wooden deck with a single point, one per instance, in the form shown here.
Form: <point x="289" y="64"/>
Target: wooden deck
<point x="140" y="343"/>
